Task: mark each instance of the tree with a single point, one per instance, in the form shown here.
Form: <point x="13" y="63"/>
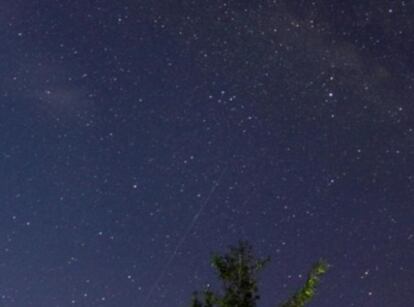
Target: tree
<point x="238" y="270"/>
<point x="307" y="292"/>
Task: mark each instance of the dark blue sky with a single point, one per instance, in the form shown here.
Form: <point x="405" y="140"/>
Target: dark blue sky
<point x="135" y="134"/>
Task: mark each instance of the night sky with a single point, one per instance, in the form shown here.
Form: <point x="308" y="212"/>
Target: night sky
<point x="138" y="137"/>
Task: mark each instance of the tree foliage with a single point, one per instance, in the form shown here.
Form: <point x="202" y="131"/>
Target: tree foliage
<point x="307" y="292"/>
<point x="238" y="271"/>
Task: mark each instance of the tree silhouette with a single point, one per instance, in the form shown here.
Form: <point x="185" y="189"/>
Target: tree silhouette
<point x="238" y="270"/>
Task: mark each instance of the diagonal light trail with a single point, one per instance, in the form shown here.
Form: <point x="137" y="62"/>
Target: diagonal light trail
<point x="184" y="236"/>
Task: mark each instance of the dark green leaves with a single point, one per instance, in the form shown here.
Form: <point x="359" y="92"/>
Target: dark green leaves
<point x="238" y="270"/>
